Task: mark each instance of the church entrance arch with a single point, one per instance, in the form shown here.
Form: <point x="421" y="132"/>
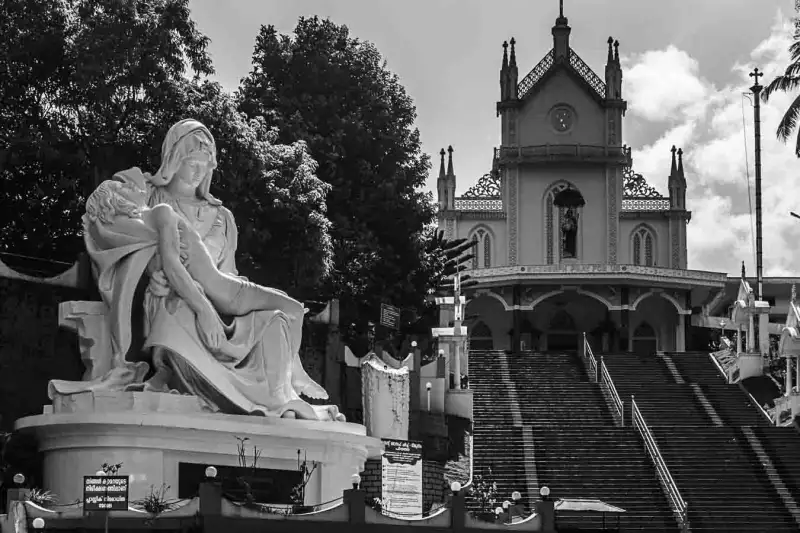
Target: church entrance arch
<point x="645" y="340"/>
<point x="562" y="334"/>
<point x="480" y="337"/>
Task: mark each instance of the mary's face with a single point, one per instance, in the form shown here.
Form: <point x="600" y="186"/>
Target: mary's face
<point x="194" y="168"/>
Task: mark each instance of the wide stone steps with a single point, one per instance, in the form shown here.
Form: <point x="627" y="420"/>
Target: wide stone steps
<point x="697" y="367"/>
<point x="604" y="463"/>
<point x="720" y="477"/>
<point x="499" y="449"/>
<point x="782" y="445"/>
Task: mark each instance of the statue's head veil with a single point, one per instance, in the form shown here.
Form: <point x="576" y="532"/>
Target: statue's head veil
<point x="182" y="138"/>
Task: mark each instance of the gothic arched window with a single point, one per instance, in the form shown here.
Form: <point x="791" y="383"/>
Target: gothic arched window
<point x="643" y="247"/>
<point x="482" y="248"/>
<point x="561" y="227"/>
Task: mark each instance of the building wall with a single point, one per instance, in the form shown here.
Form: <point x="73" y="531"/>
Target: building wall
<point x="533" y="185"/>
<point x="659" y="228"/>
<point x="496" y="229"/>
<point x="533" y="121"/>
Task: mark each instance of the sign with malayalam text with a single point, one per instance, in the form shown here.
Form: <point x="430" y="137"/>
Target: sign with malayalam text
<point x="105" y="493"/>
<point x="390" y="316"/>
<point x="401" y="476"/>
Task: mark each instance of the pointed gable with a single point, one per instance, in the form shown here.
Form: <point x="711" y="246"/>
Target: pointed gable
<point x="574" y="66"/>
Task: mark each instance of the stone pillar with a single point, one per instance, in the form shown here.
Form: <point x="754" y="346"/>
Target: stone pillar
<point x="788" y="375"/>
<point x="517" y="319"/>
<point x="680" y="336"/>
<point x="738" y="339"/>
<point x="626" y="316"/>
<point x="797" y="373"/>
<point x="457" y="360"/>
<point x="751" y="336"/>
<point x="763" y="333"/>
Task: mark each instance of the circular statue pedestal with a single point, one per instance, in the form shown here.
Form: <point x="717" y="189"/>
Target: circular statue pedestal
<point x="152" y="433"/>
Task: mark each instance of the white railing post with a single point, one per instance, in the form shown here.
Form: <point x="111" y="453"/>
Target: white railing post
<point x="633" y="408"/>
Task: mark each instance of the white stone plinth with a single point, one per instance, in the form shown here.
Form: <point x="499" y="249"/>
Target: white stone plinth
<point x="151" y="433"/>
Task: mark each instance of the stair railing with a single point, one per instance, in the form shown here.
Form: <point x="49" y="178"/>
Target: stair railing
<point x="679" y="505"/>
<point x="589" y="359"/>
<point x="608" y="383"/>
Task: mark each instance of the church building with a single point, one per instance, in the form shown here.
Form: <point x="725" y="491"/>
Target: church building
<point x="568" y="237"/>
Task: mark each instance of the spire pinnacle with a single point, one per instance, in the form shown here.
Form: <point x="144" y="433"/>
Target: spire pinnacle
<point x="441" y="164"/>
<point x="673" y="171"/>
<point x="616" y="51"/>
<point x="505" y="57"/>
<point x="610" y="53"/>
<point x="561" y="20"/>
<point x="513" y="62"/>
<point x="744" y="274"/>
<point x="794" y="293"/>
<point x="680" y="162"/>
<point x="450" y="161"/>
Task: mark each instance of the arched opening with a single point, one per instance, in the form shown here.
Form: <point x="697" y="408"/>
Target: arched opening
<point x="645" y="340"/>
<point x="480" y="337"/>
<point x="482" y="248"/>
<point x="643" y="247"/>
<point x="563" y="206"/>
<point x="562" y="334"/>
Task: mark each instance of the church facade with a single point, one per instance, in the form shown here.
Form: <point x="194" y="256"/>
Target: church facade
<point x="568" y="237"/>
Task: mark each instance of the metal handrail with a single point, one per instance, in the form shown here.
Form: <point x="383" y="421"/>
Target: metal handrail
<point x="679" y="505"/>
<point x="605" y="379"/>
<point x="589" y="357"/>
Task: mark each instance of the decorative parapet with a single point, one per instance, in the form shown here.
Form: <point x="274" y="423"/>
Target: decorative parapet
<point x="546" y="63"/>
<point x="479" y="204"/>
<point x="563" y="273"/>
<point x="638" y="203"/>
<point x="573" y="153"/>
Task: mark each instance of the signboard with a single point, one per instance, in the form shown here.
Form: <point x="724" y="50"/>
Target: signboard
<point x="401" y="475"/>
<point x="105" y="493"/>
<point x="390" y="316"/>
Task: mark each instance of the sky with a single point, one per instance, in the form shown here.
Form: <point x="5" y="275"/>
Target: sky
<point x="685" y="67"/>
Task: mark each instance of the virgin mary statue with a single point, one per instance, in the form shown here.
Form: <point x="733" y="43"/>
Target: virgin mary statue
<point x="256" y="368"/>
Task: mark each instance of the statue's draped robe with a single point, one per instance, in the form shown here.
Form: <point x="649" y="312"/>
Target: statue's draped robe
<point x="252" y="372"/>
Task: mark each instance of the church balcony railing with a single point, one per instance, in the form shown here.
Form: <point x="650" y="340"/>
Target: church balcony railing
<point x="567" y="153"/>
<point x="643" y="203"/>
<point x="578" y="272"/>
<point x="479" y="204"/>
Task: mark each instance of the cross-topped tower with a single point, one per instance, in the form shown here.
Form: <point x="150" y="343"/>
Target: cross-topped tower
<point x="756" y="74"/>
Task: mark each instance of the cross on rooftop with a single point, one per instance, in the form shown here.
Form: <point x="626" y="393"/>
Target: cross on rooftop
<point x="756" y="74"/>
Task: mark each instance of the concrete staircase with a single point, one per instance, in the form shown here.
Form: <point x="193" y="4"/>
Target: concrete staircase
<point x="704" y="429"/>
<point x="553" y="429"/>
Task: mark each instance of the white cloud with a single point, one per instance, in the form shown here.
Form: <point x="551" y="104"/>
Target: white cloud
<point x="706" y="121"/>
<point x="662" y="83"/>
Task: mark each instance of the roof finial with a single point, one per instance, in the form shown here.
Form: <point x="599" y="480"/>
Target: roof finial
<point x="794" y="293"/>
<point x="450" y="161"/>
<point x="441" y="164"/>
<point x="505" y="58"/>
<point x="680" y="162"/>
<point x="616" y="51"/>
<point x="673" y="170"/>
<point x="744" y="275"/>
<point x="561" y="8"/>
<point x="610" y="54"/>
<point x="513" y="62"/>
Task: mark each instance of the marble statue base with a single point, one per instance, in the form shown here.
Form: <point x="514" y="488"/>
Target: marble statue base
<point x="151" y="433"/>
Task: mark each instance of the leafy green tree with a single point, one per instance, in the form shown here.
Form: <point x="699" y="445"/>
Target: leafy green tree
<point x="788" y="82"/>
<point x="335" y="92"/>
<point x="89" y="87"/>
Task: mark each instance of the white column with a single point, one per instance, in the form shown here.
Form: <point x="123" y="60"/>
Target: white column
<point x="797" y="372"/>
<point x="751" y="338"/>
<point x="457" y="364"/>
<point x="738" y="339"/>
<point x="680" y="334"/>
<point x="788" y="375"/>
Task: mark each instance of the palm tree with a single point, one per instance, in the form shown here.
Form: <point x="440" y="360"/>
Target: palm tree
<point x="789" y="81"/>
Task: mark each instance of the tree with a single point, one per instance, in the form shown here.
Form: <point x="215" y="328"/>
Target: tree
<point x="93" y="88"/>
<point x="788" y="82"/>
<point x="336" y="93"/>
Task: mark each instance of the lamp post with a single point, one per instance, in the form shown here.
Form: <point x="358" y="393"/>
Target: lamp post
<point x="428" y="389"/>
